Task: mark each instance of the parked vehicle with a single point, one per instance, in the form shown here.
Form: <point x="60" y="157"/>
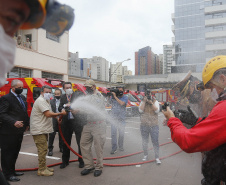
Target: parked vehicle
<point x="32" y="88"/>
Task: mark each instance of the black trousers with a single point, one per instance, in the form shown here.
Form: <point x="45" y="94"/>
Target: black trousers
<point x="52" y="136"/>
<point x="10" y="148"/>
<point x="68" y="128"/>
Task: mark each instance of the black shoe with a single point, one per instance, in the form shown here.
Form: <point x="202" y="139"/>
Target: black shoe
<point x="50" y="153"/>
<point x="18" y="173"/>
<point x="61" y="150"/>
<point x="63" y="165"/>
<point x="97" y="173"/>
<point x="86" y="171"/>
<point x="81" y="165"/>
<point x="13" y="179"/>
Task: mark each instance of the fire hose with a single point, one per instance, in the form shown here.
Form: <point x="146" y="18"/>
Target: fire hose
<point x="107" y="158"/>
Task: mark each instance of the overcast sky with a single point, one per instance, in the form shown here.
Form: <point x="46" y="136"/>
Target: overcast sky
<point x="115" y="29"/>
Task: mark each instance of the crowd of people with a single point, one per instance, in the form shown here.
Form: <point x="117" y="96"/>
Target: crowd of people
<point x="207" y="135"/>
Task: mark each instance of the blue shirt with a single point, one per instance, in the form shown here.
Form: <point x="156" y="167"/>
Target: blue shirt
<point x="117" y="110"/>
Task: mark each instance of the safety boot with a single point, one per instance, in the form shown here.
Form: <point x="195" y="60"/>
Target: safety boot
<point x="45" y="172"/>
<point x="50" y="169"/>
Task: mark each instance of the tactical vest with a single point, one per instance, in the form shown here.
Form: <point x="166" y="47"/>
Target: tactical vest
<point x="149" y="117"/>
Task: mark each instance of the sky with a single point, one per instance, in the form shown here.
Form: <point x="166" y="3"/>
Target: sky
<point x="116" y="29"/>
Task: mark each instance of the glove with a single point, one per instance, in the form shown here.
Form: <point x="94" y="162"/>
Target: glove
<point x="186" y="116"/>
<point x="59" y="18"/>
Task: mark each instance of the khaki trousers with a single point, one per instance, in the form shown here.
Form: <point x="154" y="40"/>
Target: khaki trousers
<point x="42" y="147"/>
<point x="93" y="132"/>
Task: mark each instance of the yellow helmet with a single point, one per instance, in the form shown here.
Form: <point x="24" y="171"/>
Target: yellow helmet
<point x="37" y="15"/>
<point x="212" y="66"/>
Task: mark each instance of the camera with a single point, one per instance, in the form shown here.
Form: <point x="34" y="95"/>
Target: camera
<point x="67" y="108"/>
<point x="147" y="94"/>
<point x="116" y="91"/>
<point x="164" y="107"/>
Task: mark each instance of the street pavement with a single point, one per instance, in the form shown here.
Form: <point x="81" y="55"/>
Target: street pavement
<point x="179" y="169"/>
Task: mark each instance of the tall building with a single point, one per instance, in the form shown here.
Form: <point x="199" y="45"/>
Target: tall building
<point x="167" y="58"/>
<point x="200" y="32"/>
<point x="101" y="67"/>
<point x="144" y="61"/>
<point x="40" y="54"/>
<point x="160" y="64"/>
<point x="215" y="28"/>
<point x="95" y="67"/>
<point x="117" y="72"/>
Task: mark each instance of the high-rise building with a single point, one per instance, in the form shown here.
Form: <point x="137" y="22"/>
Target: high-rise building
<point x="160" y="64"/>
<point x="167" y="58"/>
<point x="144" y="61"/>
<point x="215" y="28"/>
<point x="95" y="67"/>
<point x="117" y="72"/>
<point x="189" y="30"/>
<point x="200" y="32"/>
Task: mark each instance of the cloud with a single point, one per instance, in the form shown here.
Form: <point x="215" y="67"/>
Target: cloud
<point x="116" y="29"/>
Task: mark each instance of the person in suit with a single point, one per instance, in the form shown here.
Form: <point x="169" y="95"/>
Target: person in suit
<point x="55" y="105"/>
<point x="70" y="122"/>
<point x="15" y="121"/>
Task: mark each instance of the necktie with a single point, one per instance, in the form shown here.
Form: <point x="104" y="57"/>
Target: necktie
<point x="21" y="102"/>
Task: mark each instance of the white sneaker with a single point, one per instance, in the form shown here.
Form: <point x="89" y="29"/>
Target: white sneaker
<point x="157" y="161"/>
<point x="145" y="158"/>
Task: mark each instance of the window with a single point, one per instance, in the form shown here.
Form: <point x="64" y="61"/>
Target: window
<point x="52" y="75"/>
<point x="52" y="37"/>
<point x="18" y="72"/>
<point x="24" y="93"/>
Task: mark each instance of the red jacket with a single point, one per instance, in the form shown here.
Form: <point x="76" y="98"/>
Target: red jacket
<point x="205" y="136"/>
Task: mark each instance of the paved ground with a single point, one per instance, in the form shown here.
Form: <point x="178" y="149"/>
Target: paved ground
<point x="180" y="169"/>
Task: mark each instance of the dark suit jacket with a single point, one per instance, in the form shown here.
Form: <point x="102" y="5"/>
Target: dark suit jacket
<point x="11" y="111"/>
<point x="53" y="106"/>
<point x="78" y="118"/>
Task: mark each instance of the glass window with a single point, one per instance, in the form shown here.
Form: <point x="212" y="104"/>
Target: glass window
<point x="24" y="92"/>
<point x="18" y="72"/>
<point x="51" y="75"/>
<point x="52" y="37"/>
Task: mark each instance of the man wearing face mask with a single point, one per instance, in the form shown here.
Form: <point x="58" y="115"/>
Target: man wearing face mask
<point x="118" y="112"/>
<point x="55" y="102"/>
<point x="70" y="123"/>
<point x="41" y="125"/>
<point x="209" y="134"/>
<point x="94" y="131"/>
<point x="15" y="121"/>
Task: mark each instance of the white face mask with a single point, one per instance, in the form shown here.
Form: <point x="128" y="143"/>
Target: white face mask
<point x="47" y="96"/>
<point x="69" y="91"/>
<point x="214" y="95"/>
<point x="7" y="54"/>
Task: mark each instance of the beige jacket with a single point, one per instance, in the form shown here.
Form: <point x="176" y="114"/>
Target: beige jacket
<point x="149" y="117"/>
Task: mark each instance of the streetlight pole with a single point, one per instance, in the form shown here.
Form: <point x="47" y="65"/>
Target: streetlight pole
<point x="116" y="69"/>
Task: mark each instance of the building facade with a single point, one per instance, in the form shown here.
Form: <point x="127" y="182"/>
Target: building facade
<point x="189" y="30"/>
<point x="144" y="61"/>
<point x="41" y="55"/>
<point x="200" y="31"/>
<point x="215" y="28"/>
<point x="167" y="58"/>
<point x="95" y="67"/>
<point x="117" y="72"/>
